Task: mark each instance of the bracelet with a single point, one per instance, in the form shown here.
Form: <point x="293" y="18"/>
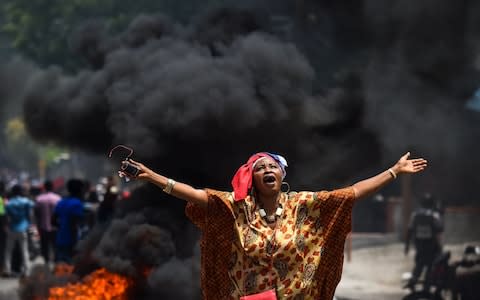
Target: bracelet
<point x="169" y="187"/>
<point x="392" y="173"/>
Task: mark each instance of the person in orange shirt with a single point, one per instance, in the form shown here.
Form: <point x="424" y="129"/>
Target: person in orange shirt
<point x="261" y="241"/>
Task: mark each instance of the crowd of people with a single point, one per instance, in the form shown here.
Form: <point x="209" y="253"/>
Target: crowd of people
<point x="62" y="214"/>
<point x="48" y="219"/>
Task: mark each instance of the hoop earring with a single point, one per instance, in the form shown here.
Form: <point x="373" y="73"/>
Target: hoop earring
<point x="288" y="186"/>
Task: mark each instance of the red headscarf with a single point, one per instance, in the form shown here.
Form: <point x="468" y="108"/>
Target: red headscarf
<point x="242" y="180"/>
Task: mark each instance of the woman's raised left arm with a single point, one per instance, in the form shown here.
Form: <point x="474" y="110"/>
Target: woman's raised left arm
<point x="369" y="186"/>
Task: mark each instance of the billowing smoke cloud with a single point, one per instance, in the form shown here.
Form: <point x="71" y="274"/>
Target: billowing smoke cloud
<point x="172" y="97"/>
<point x="187" y="273"/>
<point x="195" y="101"/>
<point x="422" y="72"/>
<point x="14" y="75"/>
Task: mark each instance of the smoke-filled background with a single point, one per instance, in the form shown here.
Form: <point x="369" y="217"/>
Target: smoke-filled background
<point x="342" y="89"/>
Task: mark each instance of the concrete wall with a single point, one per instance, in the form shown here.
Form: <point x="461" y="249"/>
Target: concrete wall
<point x="462" y="224"/>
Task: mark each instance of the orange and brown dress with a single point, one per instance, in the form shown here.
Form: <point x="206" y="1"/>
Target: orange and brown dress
<point x="302" y="257"/>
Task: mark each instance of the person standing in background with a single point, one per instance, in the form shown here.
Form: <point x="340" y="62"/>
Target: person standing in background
<point x="67" y="217"/>
<point x="106" y="208"/>
<point x="19" y="214"/>
<point x="425" y="229"/>
<point x="44" y="208"/>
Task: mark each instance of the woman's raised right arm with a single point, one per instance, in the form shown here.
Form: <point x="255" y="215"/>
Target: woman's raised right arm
<point x="177" y="189"/>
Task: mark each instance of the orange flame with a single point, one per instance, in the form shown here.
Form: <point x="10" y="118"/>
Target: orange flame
<point x="99" y="285"/>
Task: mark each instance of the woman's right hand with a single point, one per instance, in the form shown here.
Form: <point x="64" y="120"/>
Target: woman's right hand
<point x="179" y="190"/>
<point x="144" y="173"/>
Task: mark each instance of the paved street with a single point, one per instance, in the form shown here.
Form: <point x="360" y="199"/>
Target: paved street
<point x="373" y="273"/>
<point x="376" y="267"/>
<point x="9" y="286"/>
<point x="8" y="289"/>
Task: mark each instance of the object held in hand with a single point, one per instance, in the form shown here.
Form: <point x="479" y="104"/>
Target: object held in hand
<point x="127" y="169"/>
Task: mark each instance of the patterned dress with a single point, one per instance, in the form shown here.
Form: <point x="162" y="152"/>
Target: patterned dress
<point x="302" y="257"/>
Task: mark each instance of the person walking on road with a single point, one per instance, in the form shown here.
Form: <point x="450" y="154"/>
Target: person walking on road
<point x="425" y="230"/>
<point x="44" y="207"/>
<point x="18" y="211"/>
<point x="67" y="217"/>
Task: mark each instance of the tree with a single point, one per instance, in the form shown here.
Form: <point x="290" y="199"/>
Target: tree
<point x="41" y="29"/>
<point x="23" y="152"/>
<point x="20" y="148"/>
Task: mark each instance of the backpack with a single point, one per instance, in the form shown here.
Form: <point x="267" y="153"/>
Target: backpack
<point x="426" y="226"/>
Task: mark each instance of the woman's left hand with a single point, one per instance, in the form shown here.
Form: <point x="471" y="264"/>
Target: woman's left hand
<point x="369" y="186"/>
<point x="406" y="165"/>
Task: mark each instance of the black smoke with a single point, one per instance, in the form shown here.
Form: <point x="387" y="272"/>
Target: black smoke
<point x="423" y="69"/>
<point x="342" y="93"/>
<point x="14" y="76"/>
<point x="193" y="103"/>
<point x="182" y="94"/>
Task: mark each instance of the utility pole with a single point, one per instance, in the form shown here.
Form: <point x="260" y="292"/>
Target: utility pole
<point x="42" y="169"/>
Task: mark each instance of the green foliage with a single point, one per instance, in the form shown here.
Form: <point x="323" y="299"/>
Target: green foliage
<point x="19" y="146"/>
<point x="23" y="151"/>
<point x="40" y="29"/>
<point x="49" y="153"/>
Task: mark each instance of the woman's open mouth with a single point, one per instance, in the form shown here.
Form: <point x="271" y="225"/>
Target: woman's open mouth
<point x="269" y="179"/>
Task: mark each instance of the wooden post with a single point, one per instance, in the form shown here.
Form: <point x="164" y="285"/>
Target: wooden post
<point x="407" y="203"/>
<point x="42" y="167"/>
<point x="348" y="246"/>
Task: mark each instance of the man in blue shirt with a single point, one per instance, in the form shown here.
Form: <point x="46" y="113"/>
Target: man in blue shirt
<point x="68" y="215"/>
<point x="18" y="211"/>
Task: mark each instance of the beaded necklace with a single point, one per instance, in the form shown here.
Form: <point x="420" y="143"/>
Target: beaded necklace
<point x="273" y="217"/>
